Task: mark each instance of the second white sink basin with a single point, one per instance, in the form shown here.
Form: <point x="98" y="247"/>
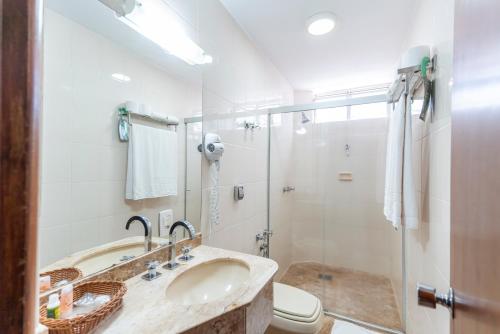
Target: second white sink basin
<point x="208" y="282"/>
<point x="105" y="258"/>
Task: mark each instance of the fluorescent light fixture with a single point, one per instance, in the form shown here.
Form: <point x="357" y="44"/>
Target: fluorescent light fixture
<point x="121" y="7"/>
<point x="321" y="24"/>
<point x="156" y="21"/>
<point x="120" y="77"/>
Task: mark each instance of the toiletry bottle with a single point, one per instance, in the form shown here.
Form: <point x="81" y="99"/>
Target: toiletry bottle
<point x="44" y="283"/>
<point x="53" y="306"/>
<point x="66" y="300"/>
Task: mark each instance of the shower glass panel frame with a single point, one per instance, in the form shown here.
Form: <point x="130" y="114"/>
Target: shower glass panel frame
<point x="317" y="114"/>
<point x="193" y="133"/>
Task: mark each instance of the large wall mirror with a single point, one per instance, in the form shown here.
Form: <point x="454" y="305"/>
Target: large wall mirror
<point x="120" y="129"/>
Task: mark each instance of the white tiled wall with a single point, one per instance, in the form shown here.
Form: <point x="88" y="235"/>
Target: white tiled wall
<point x="239" y="79"/>
<point x="83" y="162"/>
<point x="429" y="246"/>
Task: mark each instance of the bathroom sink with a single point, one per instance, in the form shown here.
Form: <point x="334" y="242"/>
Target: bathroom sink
<point x="105" y="258"/>
<point x="208" y="282"/>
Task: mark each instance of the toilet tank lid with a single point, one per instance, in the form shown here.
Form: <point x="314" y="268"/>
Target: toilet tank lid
<point x="293" y="301"/>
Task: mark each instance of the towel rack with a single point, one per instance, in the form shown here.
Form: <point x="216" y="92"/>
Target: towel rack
<point x="413" y="75"/>
<point x="125" y="120"/>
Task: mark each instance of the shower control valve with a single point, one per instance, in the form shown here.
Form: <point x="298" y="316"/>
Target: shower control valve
<point x="268" y="233"/>
<point x="264" y="235"/>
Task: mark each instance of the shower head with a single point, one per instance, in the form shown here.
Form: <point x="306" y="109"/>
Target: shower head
<point x="305" y="119"/>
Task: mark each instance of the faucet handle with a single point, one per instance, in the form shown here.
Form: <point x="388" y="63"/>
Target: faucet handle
<point x="185" y="254"/>
<point x="152" y="272"/>
<point x="152" y="264"/>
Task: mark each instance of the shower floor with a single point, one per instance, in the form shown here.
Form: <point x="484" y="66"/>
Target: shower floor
<point x="355" y="294"/>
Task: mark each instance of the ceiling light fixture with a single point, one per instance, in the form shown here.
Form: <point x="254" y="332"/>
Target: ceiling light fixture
<point x="321" y="24"/>
<point x="156" y="21"/>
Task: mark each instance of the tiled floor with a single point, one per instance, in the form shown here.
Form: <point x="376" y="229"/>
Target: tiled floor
<point x="343" y="327"/>
<point x="326" y="327"/>
<point x="359" y="295"/>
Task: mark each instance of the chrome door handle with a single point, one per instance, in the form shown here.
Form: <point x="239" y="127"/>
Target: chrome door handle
<point x="428" y="297"/>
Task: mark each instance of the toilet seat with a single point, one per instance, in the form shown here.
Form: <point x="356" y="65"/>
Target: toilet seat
<point x="296" y="310"/>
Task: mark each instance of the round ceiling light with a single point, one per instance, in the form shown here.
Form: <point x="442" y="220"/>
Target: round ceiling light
<point x="321" y="24"/>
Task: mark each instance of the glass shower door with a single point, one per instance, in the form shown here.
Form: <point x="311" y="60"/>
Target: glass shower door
<point x="296" y="212"/>
<point x="362" y="254"/>
<point x="327" y="170"/>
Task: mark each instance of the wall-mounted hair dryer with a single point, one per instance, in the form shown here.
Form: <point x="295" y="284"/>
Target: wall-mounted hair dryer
<point x="213" y="147"/>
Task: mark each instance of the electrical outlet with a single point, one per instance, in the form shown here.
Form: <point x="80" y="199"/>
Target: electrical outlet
<point x="165" y="220"/>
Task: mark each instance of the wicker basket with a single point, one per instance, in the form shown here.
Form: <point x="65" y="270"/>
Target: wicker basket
<point x="58" y="275"/>
<point x="85" y="323"/>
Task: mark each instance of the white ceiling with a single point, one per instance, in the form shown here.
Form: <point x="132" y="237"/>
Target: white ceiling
<point x="101" y="19"/>
<point x="363" y="49"/>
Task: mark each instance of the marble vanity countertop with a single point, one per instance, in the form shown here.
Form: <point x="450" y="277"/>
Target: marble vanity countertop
<point x="73" y="259"/>
<point x="146" y="308"/>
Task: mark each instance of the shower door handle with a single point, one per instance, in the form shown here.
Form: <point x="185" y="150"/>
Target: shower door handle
<point x="428" y="297"/>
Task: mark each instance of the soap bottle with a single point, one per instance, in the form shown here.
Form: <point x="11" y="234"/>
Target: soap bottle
<point x="53" y="307"/>
<point x="44" y="283"/>
<point x="66" y="300"/>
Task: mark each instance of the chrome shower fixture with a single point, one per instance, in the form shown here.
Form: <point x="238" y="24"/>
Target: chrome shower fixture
<point x="304" y="119"/>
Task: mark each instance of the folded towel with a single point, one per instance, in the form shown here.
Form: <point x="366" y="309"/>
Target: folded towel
<point x="144" y="110"/>
<point x="158" y="116"/>
<point x="152" y="163"/>
<point x="400" y="197"/>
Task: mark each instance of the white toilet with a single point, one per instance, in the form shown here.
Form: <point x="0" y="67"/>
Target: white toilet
<point x="295" y="310"/>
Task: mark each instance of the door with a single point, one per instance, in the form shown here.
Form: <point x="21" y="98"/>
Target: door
<point x="475" y="174"/>
<point x="20" y="99"/>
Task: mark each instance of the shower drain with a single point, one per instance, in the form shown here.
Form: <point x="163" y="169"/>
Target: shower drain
<point x="325" y="277"/>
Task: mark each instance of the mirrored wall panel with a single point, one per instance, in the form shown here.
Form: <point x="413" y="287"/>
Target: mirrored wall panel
<point x="114" y="134"/>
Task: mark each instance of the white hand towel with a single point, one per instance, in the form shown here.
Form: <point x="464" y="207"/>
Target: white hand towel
<point x="152" y="163"/>
<point x="399" y="185"/>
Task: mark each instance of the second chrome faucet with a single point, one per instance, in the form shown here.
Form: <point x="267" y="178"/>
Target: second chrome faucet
<point x="172" y="264"/>
<point x="148" y="235"/>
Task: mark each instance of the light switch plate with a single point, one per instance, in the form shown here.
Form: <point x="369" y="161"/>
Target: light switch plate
<point x="165" y="220"/>
<point x="239" y="192"/>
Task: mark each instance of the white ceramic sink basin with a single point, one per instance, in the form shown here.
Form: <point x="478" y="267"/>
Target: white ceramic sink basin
<point x="207" y="282"/>
<point x="105" y="258"/>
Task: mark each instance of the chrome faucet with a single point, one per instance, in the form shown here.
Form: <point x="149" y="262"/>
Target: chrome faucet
<point x="172" y="264"/>
<point x="148" y="235"/>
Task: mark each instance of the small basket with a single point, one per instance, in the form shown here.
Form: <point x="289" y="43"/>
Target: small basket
<point x="87" y="322"/>
<point x="58" y="275"/>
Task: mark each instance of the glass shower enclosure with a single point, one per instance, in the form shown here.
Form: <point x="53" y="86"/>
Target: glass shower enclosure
<point x="326" y="191"/>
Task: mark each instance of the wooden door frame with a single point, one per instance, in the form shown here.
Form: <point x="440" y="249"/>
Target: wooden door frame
<point x="21" y="104"/>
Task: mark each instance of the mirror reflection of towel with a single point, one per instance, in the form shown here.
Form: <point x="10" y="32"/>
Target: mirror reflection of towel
<point x="152" y="163"/>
